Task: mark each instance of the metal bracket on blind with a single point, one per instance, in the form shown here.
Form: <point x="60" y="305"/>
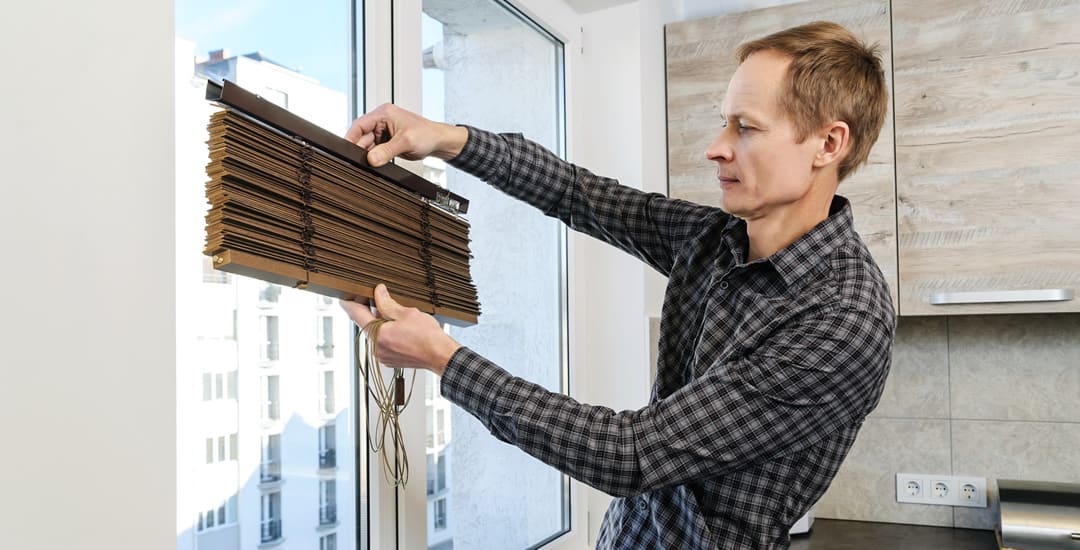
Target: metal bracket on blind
<point x="1002" y="296"/>
<point x="446" y="202"/>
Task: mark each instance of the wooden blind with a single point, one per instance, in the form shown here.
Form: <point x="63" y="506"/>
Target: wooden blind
<point x="295" y="205"/>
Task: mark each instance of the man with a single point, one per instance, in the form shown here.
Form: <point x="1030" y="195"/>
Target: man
<point x="777" y="326"/>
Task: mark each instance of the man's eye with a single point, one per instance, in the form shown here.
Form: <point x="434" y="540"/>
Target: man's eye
<point x="743" y="128"/>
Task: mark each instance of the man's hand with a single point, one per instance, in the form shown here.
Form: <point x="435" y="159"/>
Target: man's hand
<point x="410" y="135"/>
<point x="411" y="339"/>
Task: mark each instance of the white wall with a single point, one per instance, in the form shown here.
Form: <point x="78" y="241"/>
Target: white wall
<point x="87" y="399"/>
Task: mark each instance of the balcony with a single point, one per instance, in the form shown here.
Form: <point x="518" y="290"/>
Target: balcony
<point x="328" y="458"/>
<point x="269" y="472"/>
<point x="271" y="530"/>
<point x="328" y="514"/>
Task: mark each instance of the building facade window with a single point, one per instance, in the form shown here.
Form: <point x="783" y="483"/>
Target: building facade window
<point x="327" y="446"/>
<point x="271" y="411"/>
<point x="213" y="276"/>
<point x="270" y="463"/>
<point x="270" y="510"/>
<point x="439" y="515"/>
<point x="326" y="392"/>
<point x="324" y="337"/>
<point x="219" y="385"/>
<point x="270" y="348"/>
<point x="327" y="502"/>
<point x="328" y="542"/>
<point x="269" y="294"/>
<point x="221" y="448"/>
<point x="222" y="515"/>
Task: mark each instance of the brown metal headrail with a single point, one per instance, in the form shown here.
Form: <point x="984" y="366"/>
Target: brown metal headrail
<point x="262" y="110"/>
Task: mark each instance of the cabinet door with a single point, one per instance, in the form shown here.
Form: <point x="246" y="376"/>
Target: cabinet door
<point x="987" y="153"/>
<point x="700" y="62"/>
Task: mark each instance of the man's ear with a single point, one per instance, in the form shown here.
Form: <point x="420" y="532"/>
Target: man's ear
<point x="835" y="144"/>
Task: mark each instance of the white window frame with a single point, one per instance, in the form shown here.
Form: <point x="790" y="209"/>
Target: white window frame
<point x="561" y="21"/>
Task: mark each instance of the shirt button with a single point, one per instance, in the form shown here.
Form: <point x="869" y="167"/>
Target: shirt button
<point x="723" y="285"/>
<point x="641" y="504"/>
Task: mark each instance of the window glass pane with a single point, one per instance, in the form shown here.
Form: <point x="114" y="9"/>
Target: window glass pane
<point x="489" y="67"/>
<point x="245" y="347"/>
<point x="232" y="378"/>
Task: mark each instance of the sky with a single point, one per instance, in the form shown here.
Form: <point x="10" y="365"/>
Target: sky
<point x="311" y="37"/>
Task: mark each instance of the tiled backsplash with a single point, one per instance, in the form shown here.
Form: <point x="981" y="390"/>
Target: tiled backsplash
<point x="992" y="396"/>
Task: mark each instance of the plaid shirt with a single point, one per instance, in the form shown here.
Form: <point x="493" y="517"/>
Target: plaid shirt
<point x="766" y="368"/>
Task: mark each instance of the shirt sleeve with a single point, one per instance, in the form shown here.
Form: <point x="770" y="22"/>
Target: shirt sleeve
<point x="650" y="226"/>
<point x="805" y="384"/>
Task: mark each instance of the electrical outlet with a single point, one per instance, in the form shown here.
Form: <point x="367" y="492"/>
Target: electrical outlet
<point x="910" y="488"/>
<point x="941" y="490"/>
<point x="971" y="492"/>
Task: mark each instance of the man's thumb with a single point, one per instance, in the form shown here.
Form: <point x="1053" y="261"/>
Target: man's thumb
<point x="385" y="304"/>
<point x="384" y="152"/>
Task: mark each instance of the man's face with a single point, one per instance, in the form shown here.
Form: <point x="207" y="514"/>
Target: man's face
<point x="760" y="167"/>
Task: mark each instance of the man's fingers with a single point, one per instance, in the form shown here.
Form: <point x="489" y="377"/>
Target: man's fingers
<point x="387" y="306"/>
<point x="363" y="126"/>
<point x="385" y="152"/>
<point x="359" y="313"/>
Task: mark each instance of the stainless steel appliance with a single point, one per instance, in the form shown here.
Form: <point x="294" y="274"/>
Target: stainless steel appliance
<point x="1039" y="515"/>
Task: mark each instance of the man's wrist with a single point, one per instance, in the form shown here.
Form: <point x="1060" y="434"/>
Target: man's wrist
<point x="443" y="356"/>
<point x="453" y="143"/>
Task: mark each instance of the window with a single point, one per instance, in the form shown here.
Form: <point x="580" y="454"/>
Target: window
<point x="328" y="542"/>
<point x="270" y="512"/>
<point x="327" y="446"/>
<point x="269" y="350"/>
<point x="467" y="59"/>
<point x="326" y="393"/>
<point x="213" y="276"/>
<point x="440" y="427"/>
<point x="268" y="294"/>
<point x="324" y="329"/>
<point x="306" y="57"/>
<point x="440" y="514"/>
<point x="327" y="502"/>
<point x="221" y="448"/>
<point x="271" y="403"/>
<point x="219" y="385"/>
<point x="270" y="463"/>
<point x="221" y="515"/>
<point x="436" y="473"/>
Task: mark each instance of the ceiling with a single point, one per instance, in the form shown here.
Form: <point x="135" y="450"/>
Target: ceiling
<point x="585" y="6"/>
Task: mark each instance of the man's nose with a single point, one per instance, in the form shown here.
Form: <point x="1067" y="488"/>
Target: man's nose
<point x="720" y="150"/>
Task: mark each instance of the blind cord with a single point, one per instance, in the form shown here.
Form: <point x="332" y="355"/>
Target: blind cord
<point x="390" y="400"/>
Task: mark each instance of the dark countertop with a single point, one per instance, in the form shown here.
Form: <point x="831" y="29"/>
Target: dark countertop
<point x="832" y="534"/>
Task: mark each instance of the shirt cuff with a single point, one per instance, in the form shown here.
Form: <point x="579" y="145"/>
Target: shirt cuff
<point x="483" y="155"/>
<point x="473" y="383"/>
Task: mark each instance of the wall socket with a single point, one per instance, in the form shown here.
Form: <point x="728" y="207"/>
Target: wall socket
<point x="941" y="490"/>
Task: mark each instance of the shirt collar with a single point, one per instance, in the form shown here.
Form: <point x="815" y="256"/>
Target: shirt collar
<point x="806" y="254"/>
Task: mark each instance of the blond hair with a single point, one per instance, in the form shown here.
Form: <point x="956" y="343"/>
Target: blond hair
<point x="832" y="76"/>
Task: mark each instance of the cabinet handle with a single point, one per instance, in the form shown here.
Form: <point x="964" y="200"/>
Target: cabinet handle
<point x="999" y="296"/>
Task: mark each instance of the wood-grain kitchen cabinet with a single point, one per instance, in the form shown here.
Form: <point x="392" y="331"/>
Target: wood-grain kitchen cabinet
<point x="987" y="98"/>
